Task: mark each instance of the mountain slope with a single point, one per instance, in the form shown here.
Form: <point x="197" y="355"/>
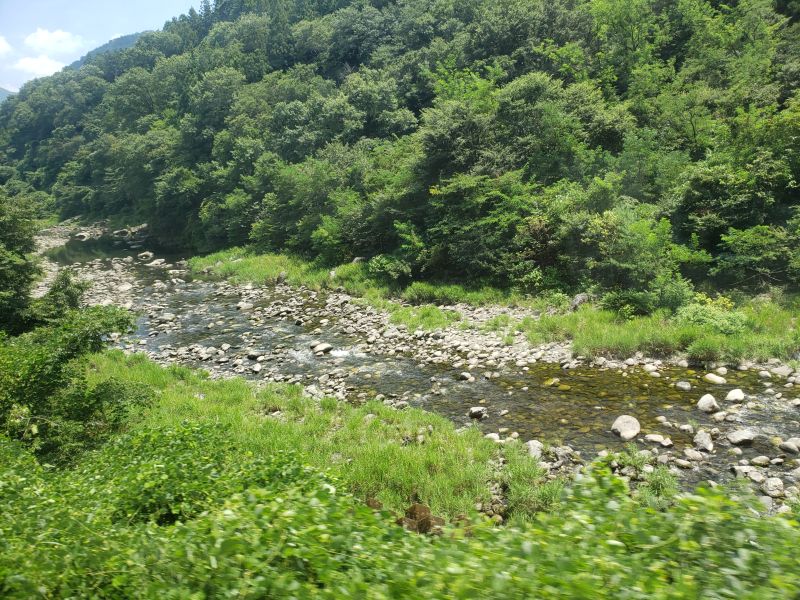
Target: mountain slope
<point x="4" y="93"/>
<point x="120" y="43"/>
<point x="641" y="149"/>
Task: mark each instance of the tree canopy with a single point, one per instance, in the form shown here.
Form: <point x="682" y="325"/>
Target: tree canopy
<point x="527" y="143"/>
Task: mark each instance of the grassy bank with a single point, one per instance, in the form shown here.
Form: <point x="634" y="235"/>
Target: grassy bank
<point x="378" y="452"/>
<point x="707" y="330"/>
<point x="241" y="265"/>
<point x="209" y="494"/>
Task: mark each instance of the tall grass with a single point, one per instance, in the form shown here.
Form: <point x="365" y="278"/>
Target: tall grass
<point x="771" y="331"/>
<point x="378" y="451"/>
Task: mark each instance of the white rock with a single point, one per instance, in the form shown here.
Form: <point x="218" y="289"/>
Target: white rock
<point x="535" y="448"/>
<point x="683" y="386"/>
<point x="708" y="404"/>
<point x="736" y="395"/>
<point x="626" y="427"/>
<point x="693" y="454"/>
<point x="741" y="436"/>
<point x="714" y="378"/>
<point x="773" y="487"/>
<point x="703" y="441"/>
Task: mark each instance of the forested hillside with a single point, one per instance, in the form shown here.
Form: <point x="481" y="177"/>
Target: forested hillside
<point x="641" y="147"/>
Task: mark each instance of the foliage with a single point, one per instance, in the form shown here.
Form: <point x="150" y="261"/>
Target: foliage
<point x="623" y="146"/>
<point x="274" y="527"/>
<point x="17" y="270"/>
<point x="45" y="400"/>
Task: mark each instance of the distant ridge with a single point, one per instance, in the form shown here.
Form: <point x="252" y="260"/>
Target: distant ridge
<point x="120" y="43"/>
<point x="4" y="93"/>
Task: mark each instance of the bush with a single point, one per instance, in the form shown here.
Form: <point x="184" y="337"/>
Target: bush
<point x="712" y="317"/>
<point x="274" y="528"/>
<point x="45" y="400"/>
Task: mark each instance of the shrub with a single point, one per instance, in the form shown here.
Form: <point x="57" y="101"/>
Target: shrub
<point x="712" y="317"/>
<point x="44" y="398"/>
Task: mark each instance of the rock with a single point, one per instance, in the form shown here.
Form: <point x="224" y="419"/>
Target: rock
<point x="683" y="464"/>
<point x="466" y="376"/>
<point x="789" y="447"/>
<point x="654" y="438"/>
<point x="124" y="287"/>
<point x="683" y="386"/>
<point x="244" y="306"/>
<point x="714" y="378"/>
<point x="765" y="374"/>
<point x="760" y="461"/>
<point x="323" y="348"/>
<point x="493" y="436"/>
<point x="766" y="502"/>
<point x="578" y="300"/>
<point x="626" y="427"/>
<point x="703" y="441"/>
<point x="773" y="487"/>
<point x="478" y="412"/>
<point x="708" y="404"/>
<point x="741" y="437"/>
<point x="736" y="395"/>
<point x="693" y="455"/>
<point x="782" y="371"/>
<point x="535" y="448"/>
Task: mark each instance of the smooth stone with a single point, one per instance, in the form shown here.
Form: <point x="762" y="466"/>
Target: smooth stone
<point x="736" y="395"/>
<point x="708" y="404"/>
<point x="773" y="487"/>
<point x="703" y="441"/>
<point x="715" y="379"/>
<point x="683" y="386"/>
<point x="477" y="412"/>
<point x="693" y="455"/>
<point x="535" y="448"/>
<point x="741" y="436"/>
<point x="626" y="427"/>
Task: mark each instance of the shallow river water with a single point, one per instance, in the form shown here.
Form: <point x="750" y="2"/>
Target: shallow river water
<point x="541" y="401"/>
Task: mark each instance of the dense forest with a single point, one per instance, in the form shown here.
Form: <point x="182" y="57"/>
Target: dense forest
<point x="634" y="147"/>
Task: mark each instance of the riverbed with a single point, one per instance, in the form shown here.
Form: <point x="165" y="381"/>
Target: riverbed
<point x="335" y="345"/>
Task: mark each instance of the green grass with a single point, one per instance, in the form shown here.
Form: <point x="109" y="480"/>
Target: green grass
<point x="771" y="327"/>
<point x="378" y="456"/>
<point x="242" y="265"/>
<point x="771" y="331"/>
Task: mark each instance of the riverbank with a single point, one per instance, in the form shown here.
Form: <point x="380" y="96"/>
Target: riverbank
<point x="218" y="489"/>
<point x="750" y="333"/>
<point x="562" y="406"/>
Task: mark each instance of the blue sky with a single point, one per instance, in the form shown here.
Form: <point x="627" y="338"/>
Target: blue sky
<point x="38" y="37"/>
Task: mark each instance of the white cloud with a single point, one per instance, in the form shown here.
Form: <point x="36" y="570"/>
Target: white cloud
<point x="38" y="66"/>
<point x="54" y="42"/>
<point x="5" y="47"/>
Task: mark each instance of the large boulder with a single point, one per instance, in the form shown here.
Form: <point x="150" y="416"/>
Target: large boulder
<point x="578" y="300"/>
<point x="626" y="427"/>
<point x="708" y="404"/>
<point x="741" y="437"/>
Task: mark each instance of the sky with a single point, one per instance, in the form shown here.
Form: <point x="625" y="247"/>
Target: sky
<point x="39" y="37"/>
